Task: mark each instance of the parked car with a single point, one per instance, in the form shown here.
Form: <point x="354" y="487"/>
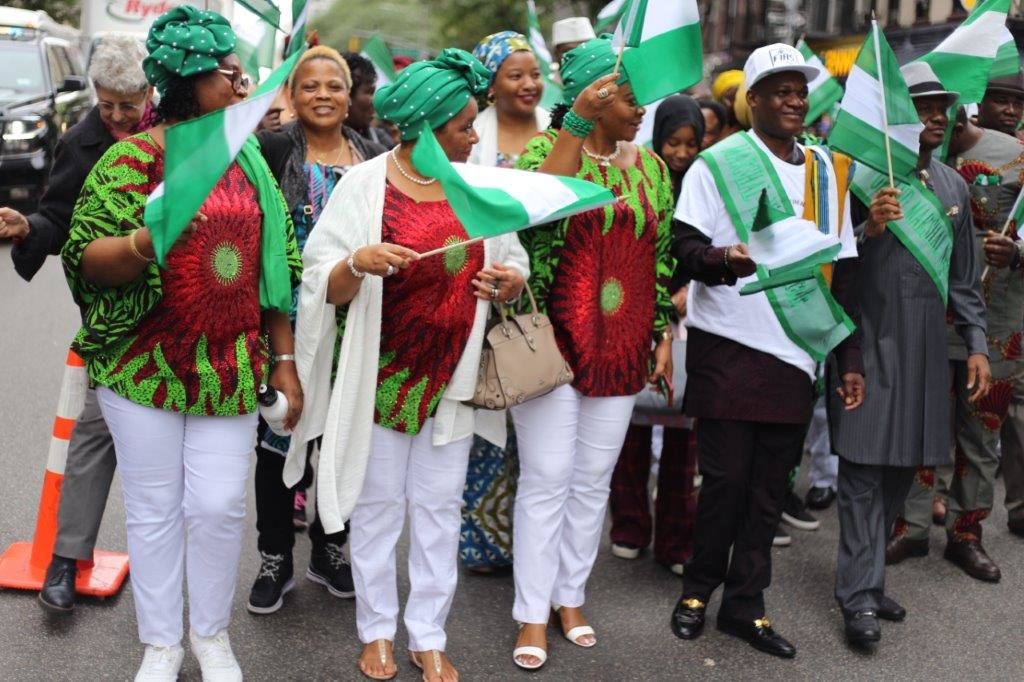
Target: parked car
<point x="43" y="92"/>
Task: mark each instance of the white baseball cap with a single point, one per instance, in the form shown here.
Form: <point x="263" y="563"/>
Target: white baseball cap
<point x="571" y="30"/>
<point x="777" y="58"/>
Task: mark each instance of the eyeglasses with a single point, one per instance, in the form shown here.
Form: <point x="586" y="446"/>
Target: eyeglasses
<point x="239" y="80"/>
<point x="126" y="108"/>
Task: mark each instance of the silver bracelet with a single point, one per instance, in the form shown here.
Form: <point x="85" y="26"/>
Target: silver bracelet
<point x="352" y="265"/>
<point x="283" y="357"/>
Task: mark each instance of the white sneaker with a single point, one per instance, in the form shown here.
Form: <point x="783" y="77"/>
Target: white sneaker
<point x="624" y="552"/>
<point x="160" y="664"/>
<point x="676" y="568"/>
<point x="215" y="657"/>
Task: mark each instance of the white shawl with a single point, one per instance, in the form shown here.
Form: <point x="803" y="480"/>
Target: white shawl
<point x="343" y="413"/>
<point x="485" y="152"/>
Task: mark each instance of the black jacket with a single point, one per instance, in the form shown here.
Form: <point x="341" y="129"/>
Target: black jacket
<point x="77" y="152"/>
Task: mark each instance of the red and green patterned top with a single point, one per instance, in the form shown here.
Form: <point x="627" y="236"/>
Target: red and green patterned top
<point x="189" y="338"/>
<point x="603" y="276"/>
<point x="427" y="311"/>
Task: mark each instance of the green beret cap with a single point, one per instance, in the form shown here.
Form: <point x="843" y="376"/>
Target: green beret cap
<point x="186" y="41"/>
<point x="433" y="91"/>
<point x="583" y="65"/>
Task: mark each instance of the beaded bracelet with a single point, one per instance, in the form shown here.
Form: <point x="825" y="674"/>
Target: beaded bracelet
<point x="576" y="125"/>
<point x="352" y="265"/>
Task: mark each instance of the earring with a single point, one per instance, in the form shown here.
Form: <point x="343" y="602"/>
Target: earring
<point x="490" y="97"/>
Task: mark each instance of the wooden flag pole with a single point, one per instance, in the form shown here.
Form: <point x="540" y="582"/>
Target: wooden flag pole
<point x="881" y="83"/>
<point x="456" y="245"/>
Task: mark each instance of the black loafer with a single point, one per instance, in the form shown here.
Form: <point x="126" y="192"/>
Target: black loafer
<point x="759" y="634"/>
<point x="862" y="627"/>
<point x="888" y="609"/>
<point x="820" y="498"/>
<point x="58" y="593"/>
<point x="688" y="618"/>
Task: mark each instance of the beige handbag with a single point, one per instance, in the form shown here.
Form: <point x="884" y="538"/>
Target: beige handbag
<point x="520" y="360"/>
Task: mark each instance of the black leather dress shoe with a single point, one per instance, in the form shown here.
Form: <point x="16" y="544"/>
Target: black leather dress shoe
<point x="862" y="627"/>
<point x="58" y="593"/>
<point x="902" y="547"/>
<point x="1016" y="525"/>
<point x="820" y="498"/>
<point x="970" y="556"/>
<point x="759" y="634"/>
<point x="688" y="618"/>
<point x="888" y="609"/>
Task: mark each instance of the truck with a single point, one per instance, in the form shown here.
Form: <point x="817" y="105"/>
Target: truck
<point x="134" y="17"/>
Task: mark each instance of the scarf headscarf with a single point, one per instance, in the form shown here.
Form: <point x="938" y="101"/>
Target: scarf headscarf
<point x="724" y="82"/>
<point x="493" y="50"/>
<point x="186" y="41"/>
<point x="672" y="114"/>
<point x="431" y="91"/>
<point x="583" y="65"/>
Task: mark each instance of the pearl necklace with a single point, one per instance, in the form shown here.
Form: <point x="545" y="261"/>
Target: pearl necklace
<point x="602" y="159"/>
<point x="405" y="174"/>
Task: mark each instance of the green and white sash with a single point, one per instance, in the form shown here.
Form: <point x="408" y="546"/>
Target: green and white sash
<point x="809" y="315"/>
<point x="925" y="229"/>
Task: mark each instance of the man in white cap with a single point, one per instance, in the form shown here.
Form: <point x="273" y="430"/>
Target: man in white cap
<point x="569" y="33"/>
<point x="904" y="423"/>
<point x="753" y="360"/>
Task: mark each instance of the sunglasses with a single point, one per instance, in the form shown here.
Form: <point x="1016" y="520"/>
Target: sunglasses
<point x="239" y="80"/>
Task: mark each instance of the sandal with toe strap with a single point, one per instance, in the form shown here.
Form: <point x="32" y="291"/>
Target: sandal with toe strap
<point x="382" y="650"/>
<point x="438" y="665"/>
<point x="574" y="634"/>
<point x="535" y="651"/>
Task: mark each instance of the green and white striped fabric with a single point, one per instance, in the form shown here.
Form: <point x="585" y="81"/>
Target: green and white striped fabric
<point x="376" y="50"/>
<point x="662" y="43"/>
<point x="492" y="201"/>
<point x="552" y="90"/>
<point x="859" y="131"/>
<point x="300" y="17"/>
<point x="823" y="91"/>
<point x="609" y="15"/>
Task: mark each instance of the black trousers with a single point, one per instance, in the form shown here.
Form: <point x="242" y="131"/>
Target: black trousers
<point x="275" y="507"/>
<point x="745" y="466"/>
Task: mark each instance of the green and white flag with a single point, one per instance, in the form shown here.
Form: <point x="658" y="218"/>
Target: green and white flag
<point x="376" y="50"/>
<point x="198" y="152"/>
<point x="609" y="15"/>
<point x="663" y="53"/>
<point x="492" y="201"/>
<point x="552" y="91"/>
<point x="979" y="49"/>
<point x="823" y="91"/>
<point x="876" y="99"/>
<point x="255" y="46"/>
<point x="264" y="9"/>
<point x="300" y="17"/>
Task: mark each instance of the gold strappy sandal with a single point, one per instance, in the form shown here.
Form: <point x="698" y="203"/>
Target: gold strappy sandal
<point x="382" y="649"/>
<point x="436" y="663"/>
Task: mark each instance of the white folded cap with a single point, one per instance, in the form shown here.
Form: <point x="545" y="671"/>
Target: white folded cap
<point x="572" y="30"/>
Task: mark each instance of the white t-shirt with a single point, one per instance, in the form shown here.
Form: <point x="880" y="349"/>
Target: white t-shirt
<point x="721" y="310"/>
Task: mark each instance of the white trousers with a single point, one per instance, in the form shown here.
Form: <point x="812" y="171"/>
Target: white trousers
<point x="568" y="446"/>
<point x="184" y="480"/>
<point x="824" y="468"/>
<point x="408" y="473"/>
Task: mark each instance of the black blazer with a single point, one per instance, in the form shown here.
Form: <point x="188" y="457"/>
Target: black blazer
<point x="77" y="152"/>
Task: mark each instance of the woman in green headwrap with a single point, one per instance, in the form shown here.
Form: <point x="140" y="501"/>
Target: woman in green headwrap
<point x="603" y="277"/>
<point x="178" y="353"/>
<point x="396" y="433"/>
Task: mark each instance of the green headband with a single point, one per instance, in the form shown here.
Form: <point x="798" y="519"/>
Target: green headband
<point x="186" y="41"/>
<point x="433" y="91"/>
<point x="583" y="65"/>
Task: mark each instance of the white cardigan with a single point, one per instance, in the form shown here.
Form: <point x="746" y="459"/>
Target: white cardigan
<point x="485" y="152"/>
<point x="343" y="413"/>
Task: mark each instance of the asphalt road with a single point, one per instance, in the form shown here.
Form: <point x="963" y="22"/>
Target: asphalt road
<point x="957" y="628"/>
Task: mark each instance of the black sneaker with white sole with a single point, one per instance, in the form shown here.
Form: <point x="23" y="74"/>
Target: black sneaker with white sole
<point x="331" y="569"/>
<point x="795" y="515"/>
<point x="272" y="583"/>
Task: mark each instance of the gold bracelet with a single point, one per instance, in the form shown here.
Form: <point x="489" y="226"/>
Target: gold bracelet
<point x="666" y="334"/>
<point x="135" y="249"/>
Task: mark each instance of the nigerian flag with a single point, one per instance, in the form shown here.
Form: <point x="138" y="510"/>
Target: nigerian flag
<point x="492" y="201"/>
<point x="979" y="49"/>
<point x="255" y="45"/>
<point x="609" y="15"/>
<point x="877" y="99"/>
<point x="376" y="50"/>
<point x="662" y="43"/>
<point x="264" y="9"/>
<point x="297" y="38"/>
<point x="198" y="152"/>
<point x="552" y="94"/>
<point x="823" y="91"/>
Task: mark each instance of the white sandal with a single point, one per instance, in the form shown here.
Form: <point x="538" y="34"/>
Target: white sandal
<point x="535" y="651"/>
<point x="574" y="634"/>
